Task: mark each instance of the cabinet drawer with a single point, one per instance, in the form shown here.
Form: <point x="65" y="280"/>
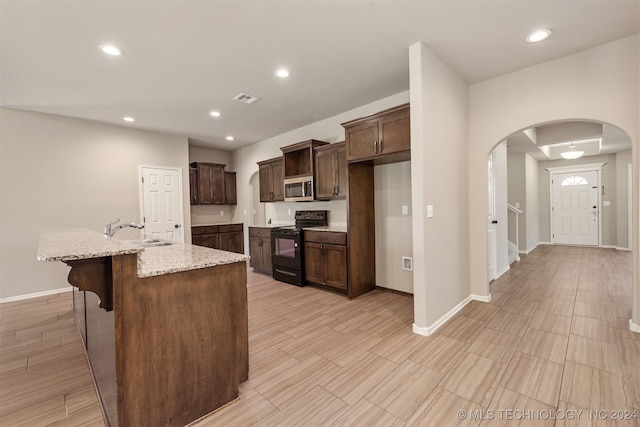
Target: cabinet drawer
<point x="330" y="237"/>
<point x="260" y="232"/>
<point x="229" y="228"/>
<point x="204" y="229"/>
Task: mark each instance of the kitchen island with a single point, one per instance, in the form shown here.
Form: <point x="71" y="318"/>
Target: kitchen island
<point x="165" y="328"/>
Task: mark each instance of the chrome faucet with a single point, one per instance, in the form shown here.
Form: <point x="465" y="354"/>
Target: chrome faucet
<point x="109" y="231"/>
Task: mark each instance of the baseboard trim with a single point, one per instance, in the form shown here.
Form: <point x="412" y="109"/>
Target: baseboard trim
<point x="35" y="295"/>
<point x="441" y="321"/>
<point x="634" y="327"/>
<point x="618" y="248"/>
<point x="504" y="270"/>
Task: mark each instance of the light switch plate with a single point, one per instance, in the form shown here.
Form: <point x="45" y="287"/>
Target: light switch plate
<point x="405" y="210"/>
<point x="429" y="211"/>
<point x="606" y="203"/>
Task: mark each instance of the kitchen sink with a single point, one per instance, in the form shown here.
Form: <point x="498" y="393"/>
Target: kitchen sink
<point x="146" y="243"/>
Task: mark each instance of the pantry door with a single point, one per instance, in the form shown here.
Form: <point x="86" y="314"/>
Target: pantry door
<point x="575" y="208"/>
<point x="161" y="190"/>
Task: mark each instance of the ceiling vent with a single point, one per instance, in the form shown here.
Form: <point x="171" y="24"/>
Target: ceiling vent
<point x="246" y="98"/>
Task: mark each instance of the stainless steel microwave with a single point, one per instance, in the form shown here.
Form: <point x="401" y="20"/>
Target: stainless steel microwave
<point x="299" y="189"/>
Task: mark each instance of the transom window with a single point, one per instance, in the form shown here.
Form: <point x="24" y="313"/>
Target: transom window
<point x="574" y="180"/>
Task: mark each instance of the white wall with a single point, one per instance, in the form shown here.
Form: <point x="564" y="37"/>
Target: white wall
<point x="599" y="84"/>
<point x="392" y="190"/>
<point x="517" y="193"/>
<point x="329" y="130"/>
<point x="59" y="172"/>
<point x="439" y="178"/>
<point x="623" y="160"/>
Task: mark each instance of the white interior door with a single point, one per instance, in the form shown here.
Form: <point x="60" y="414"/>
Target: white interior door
<point x="162" y="203"/>
<point x="492" y="244"/>
<point x="575" y="208"/>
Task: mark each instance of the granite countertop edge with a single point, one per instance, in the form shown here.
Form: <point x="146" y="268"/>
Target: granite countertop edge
<point x="79" y="243"/>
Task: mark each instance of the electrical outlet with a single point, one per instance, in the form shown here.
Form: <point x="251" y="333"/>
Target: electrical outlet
<point x="245" y="211"/>
<point x="407" y="263"/>
<point x="289" y="211"/>
<point x="405" y="210"/>
<point x="221" y="213"/>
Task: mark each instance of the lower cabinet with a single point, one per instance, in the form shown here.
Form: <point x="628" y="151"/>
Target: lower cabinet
<point x="227" y="237"/>
<point x="325" y="258"/>
<point x="260" y="249"/>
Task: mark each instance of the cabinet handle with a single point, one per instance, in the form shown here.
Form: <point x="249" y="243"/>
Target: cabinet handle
<point x="337" y="190"/>
<point x="375" y="147"/>
<point x="380" y="146"/>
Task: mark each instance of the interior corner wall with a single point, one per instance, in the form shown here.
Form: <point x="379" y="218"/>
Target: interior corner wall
<point x="532" y="237"/>
<point x="623" y="161"/>
<point x="58" y="172"/>
<point x="438" y="178"/>
<point x="599" y="84"/>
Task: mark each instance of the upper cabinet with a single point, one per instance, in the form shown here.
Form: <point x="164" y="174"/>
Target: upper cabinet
<point x="230" y="189"/>
<point x="298" y="158"/>
<point x="271" y="180"/>
<point x="331" y="171"/>
<point x="384" y="137"/>
<point x="211" y="185"/>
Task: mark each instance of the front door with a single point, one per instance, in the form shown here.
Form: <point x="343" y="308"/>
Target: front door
<point x="162" y="203"/>
<point x="574" y="208"/>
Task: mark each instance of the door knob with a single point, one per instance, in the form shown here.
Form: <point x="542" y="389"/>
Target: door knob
<point x="176" y="226"/>
<point x="495" y="221"/>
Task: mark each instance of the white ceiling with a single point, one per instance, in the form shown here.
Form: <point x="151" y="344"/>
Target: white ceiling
<point x="185" y="58"/>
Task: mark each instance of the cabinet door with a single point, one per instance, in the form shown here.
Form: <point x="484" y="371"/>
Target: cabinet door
<point x="230" y="189"/>
<point x="255" y="252"/>
<point x="395" y="132"/>
<point x="277" y="176"/>
<point x="266" y="183"/>
<point x="336" y="259"/>
<point x="205" y="182"/>
<point x="314" y="263"/>
<point x="361" y="140"/>
<point x="217" y="184"/>
<point x="341" y="173"/>
<point x="266" y="254"/>
<point x="198" y="239"/>
<point x="325" y="174"/>
<point x="193" y="186"/>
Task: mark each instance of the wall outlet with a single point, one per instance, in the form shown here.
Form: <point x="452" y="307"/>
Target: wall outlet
<point x="245" y="211"/>
<point x="407" y="263"/>
<point x="429" y="211"/>
<point x="221" y="213"/>
<point x="405" y="210"/>
<point x="606" y="203"/>
<point x="289" y="211"/>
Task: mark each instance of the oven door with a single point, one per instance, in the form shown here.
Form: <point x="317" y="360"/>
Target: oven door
<point x="286" y="248"/>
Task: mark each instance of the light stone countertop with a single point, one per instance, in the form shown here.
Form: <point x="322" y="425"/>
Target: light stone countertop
<point x="82" y="243"/>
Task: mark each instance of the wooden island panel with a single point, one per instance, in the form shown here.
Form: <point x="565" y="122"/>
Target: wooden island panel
<point x="175" y="346"/>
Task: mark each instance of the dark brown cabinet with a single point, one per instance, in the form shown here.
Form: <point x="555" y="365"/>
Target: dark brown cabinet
<point x="230" y="189"/>
<point x="383" y="137"/>
<point x="326" y="259"/>
<point x="260" y="249"/>
<point x="210" y="183"/>
<point x="299" y="158"/>
<point x="272" y="180"/>
<point x="227" y="237"/>
<point x="331" y="172"/>
<point x="193" y="186"/>
<point x="231" y="238"/>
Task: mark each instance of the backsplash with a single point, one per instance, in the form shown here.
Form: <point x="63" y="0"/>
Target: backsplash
<point x="282" y="213"/>
<point x="210" y="214"/>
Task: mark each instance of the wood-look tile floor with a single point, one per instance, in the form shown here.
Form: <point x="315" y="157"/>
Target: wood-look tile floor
<point x="553" y="343"/>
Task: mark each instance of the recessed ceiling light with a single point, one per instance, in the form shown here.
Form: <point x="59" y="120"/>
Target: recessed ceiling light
<point x="215" y="113"/>
<point x="538" y="36"/>
<point x="128" y="119"/>
<point x="283" y="73"/>
<point x="110" y="49"/>
<point x="230" y="138"/>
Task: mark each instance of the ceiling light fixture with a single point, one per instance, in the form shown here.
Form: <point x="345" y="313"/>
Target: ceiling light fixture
<point x="571" y="154"/>
<point x="129" y="119"/>
<point x="283" y="73"/>
<point x="215" y="114"/>
<point x="538" y="36"/>
<point x="110" y="49"/>
<point x="230" y="138"/>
